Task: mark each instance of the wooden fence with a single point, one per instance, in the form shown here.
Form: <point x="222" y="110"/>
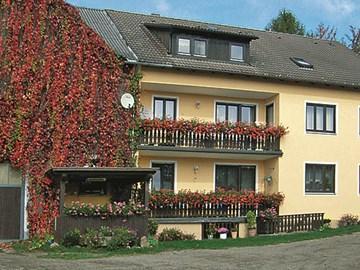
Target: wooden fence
<point x="291" y="223"/>
<point x="205" y="210"/>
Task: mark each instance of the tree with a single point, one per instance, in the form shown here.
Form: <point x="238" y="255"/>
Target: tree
<point x="286" y="22"/>
<point x="354" y="39"/>
<point x="323" y="31"/>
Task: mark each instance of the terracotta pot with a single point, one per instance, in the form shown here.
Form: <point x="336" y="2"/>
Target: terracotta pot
<point x="234" y="234"/>
<point x="252" y="232"/>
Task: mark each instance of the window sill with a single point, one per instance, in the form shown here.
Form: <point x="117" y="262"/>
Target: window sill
<point x="320" y="194"/>
<point x="308" y="132"/>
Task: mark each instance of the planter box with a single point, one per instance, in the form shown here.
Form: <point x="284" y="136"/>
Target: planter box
<point x="65" y="224"/>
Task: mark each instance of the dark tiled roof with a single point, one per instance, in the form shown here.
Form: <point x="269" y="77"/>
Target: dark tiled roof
<point x="334" y="64"/>
<point x="101" y="23"/>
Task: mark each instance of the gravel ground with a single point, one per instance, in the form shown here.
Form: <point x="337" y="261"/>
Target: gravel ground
<point x="340" y="252"/>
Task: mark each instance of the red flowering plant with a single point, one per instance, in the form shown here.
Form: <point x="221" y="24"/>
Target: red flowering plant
<point x="196" y="199"/>
<point x="269" y="214"/>
<point x="104" y="211"/>
<point x="206" y="128"/>
<point x="59" y="99"/>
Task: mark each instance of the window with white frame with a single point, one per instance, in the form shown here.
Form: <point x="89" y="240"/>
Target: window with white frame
<point x="235" y="177"/>
<point x="165" y="176"/>
<point x="237" y="52"/>
<point x="184" y="46"/>
<point x="164" y="108"/>
<point x="320" y="118"/>
<point x="320" y="178"/>
<point x="199" y="47"/>
<point x="233" y="112"/>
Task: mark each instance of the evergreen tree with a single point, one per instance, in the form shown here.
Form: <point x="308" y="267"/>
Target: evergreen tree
<point x="286" y="22"/>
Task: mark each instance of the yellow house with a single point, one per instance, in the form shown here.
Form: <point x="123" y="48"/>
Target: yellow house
<point x="215" y="73"/>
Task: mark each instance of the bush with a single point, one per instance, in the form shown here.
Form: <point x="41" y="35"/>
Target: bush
<point x="348" y="220"/>
<point x="72" y="238"/>
<point x="174" y="234"/>
<point x="251" y="219"/>
<point x="122" y="238"/>
<point x="152" y="227"/>
<point x="92" y="239"/>
<point x="105" y="231"/>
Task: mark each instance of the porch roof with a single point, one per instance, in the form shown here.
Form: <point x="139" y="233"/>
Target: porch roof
<point x="126" y="174"/>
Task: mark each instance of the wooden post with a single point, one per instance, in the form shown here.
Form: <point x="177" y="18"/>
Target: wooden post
<point x="62" y="196"/>
<point x="146" y="195"/>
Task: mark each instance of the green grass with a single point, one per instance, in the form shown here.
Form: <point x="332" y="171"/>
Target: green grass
<point x="84" y="253"/>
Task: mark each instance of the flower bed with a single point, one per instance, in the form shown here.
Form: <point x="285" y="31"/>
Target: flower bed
<point x="104" y="210"/>
<point x="202" y="127"/>
<point x="161" y="199"/>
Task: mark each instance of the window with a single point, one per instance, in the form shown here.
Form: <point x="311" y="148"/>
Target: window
<point x="270" y="114"/>
<point x="164" y="178"/>
<point x="235" y="113"/>
<point x="236" y="52"/>
<point x="239" y="178"/>
<point x="199" y="47"/>
<point x="301" y="62"/>
<point x="92" y="187"/>
<point x="164" y="108"/>
<point x="319" y="178"/>
<point x="320" y="118"/>
<point x="184" y="46"/>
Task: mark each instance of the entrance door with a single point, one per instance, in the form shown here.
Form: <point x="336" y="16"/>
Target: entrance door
<point x="10" y="205"/>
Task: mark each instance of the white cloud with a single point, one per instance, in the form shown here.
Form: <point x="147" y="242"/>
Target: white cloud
<point x="162" y="6"/>
<point x="337" y="7"/>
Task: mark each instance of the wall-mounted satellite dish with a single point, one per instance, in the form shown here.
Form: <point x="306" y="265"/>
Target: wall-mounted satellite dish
<point x="127" y="101"/>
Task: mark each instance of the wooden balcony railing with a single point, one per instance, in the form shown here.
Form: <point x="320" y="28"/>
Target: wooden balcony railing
<point x="163" y="137"/>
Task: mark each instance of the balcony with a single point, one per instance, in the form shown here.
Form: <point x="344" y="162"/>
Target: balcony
<point x="221" y="140"/>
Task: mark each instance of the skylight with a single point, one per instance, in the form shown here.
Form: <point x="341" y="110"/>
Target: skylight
<point x="302" y="63"/>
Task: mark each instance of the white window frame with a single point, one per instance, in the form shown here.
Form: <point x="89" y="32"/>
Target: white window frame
<point x="162" y="96"/>
<point x="166" y="162"/>
<point x="206" y="47"/>
<point x="178" y="47"/>
<point x="243" y="50"/>
<point x="337" y="124"/>
<point x="274" y="113"/>
<point x="237" y="164"/>
<point x="237" y="103"/>
<point x="336" y="189"/>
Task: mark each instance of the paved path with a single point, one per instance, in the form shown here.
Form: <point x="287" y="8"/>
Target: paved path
<point x="341" y="252"/>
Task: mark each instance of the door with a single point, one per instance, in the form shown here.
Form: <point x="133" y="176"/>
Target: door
<point x="10" y="205"/>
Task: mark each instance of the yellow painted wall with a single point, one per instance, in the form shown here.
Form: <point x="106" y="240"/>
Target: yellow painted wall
<point x="298" y="147"/>
<point x="94" y="199"/>
<point x="204" y="179"/>
<point x="188" y="109"/>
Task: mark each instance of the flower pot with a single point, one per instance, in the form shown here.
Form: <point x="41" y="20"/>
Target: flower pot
<point x="233" y="234"/>
<point x="252" y="232"/>
<point x="223" y="235"/>
<point x="210" y="236"/>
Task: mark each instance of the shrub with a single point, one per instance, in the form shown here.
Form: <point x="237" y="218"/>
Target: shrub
<point x="251" y="219"/>
<point x="152" y="227"/>
<point x="105" y="231"/>
<point x="348" y="220"/>
<point x="122" y="238"/>
<point x="173" y="234"/>
<point x="92" y="239"/>
<point x="72" y="238"/>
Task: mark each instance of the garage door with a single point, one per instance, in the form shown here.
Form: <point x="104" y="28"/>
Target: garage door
<point x="10" y="211"/>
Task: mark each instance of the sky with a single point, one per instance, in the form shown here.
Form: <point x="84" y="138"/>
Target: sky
<point x="245" y="13"/>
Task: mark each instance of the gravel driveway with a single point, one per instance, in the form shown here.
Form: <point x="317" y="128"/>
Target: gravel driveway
<point x="340" y="252"/>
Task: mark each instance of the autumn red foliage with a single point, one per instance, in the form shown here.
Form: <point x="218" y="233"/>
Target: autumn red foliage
<point x="59" y="99"/>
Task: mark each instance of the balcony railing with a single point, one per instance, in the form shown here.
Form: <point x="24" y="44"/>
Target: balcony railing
<point x="213" y="140"/>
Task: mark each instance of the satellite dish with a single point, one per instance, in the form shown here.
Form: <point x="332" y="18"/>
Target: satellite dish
<point x="127" y="101"/>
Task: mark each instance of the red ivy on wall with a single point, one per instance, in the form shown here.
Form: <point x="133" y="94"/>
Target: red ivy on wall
<point x="59" y="98"/>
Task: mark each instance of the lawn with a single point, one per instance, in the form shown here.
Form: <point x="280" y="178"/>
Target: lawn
<point x="84" y="253"/>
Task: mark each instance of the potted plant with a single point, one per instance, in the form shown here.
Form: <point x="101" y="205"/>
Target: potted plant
<point x="251" y="221"/>
<point x="223" y="232"/>
<point x="269" y="217"/>
<point x="211" y="231"/>
<point x="234" y="232"/>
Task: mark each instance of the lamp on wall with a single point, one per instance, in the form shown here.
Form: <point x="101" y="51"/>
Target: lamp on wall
<point x="268" y="178"/>
<point x="197" y="104"/>
<point x="196" y="169"/>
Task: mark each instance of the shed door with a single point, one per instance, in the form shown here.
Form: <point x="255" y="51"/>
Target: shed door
<point x="10" y="205"/>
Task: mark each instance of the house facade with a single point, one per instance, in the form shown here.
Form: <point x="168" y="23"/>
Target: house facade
<point x="215" y="73"/>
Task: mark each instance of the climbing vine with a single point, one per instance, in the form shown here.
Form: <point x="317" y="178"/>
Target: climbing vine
<point x="60" y="87"/>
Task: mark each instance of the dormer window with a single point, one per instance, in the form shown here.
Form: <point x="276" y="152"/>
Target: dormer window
<point x="184" y="46"/>
<point x="200" y="47"/>
<point x="237" y="52"/>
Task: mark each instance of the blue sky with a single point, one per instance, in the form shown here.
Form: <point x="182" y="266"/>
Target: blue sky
<point x="246" y="13"/>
